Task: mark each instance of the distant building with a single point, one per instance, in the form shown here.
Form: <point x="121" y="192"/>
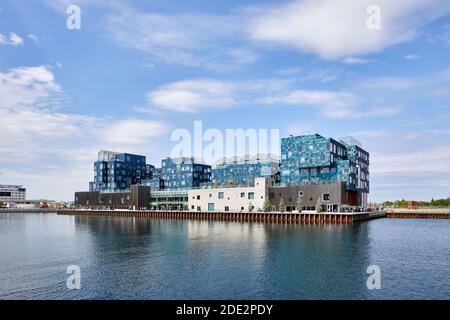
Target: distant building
<point x="242" y="171"/>
<point x="413" y="204"/>
<point x="184" y="173"/>
<point x="314" y="159"/>
<point x="115" y="172"/>
<point x="12" y="193"/>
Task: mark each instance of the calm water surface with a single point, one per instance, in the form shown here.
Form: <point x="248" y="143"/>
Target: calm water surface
<point x="138" y="258"/>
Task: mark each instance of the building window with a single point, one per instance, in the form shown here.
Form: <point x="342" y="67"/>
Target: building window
<point x="198" y="197"/>
<point x="300" y="193"/>
<point x="227" y="208"/>
<point x="221" y="196"/>
<point x="210" y="206"/>
<point x="192" y="207"/>
<point x="251" y="195"/>
<point x="242" y="194"/>
<point x="326" y="197"/>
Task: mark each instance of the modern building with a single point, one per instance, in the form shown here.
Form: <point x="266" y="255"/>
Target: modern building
<point x="115" y="172"/>
<point x="234" y="199"/>
<point x="155" y="182"/>
<point x="169" y="200"/>
<point x="12" y="193"/>
<point x="184" y="173"/>
<point x="314" y="159"/>
<point x="314" y="171"/>
<point x="242" y="171"/>
<point x="137" y="197"/>
<point x="332" y="197"/>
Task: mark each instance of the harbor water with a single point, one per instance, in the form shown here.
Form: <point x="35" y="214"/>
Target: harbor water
<point x="143" y="258"/>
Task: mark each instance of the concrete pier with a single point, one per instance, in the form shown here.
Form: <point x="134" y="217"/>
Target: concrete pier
<point x="278" y="217"/>
<point x="37" y="210"/>
<point x="418" y="213"/>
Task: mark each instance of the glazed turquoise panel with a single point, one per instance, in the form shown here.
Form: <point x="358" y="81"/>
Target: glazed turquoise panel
<point x="316" y="159"/>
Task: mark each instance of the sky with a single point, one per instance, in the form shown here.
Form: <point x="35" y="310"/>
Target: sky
<point x="136" y="71"/>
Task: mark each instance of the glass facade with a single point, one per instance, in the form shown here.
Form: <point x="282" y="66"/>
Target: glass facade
<point x="155" y="182"/>
<point x="316" y="159"/>
<point x="115" y="172"/>
<point x="243" y="171"/>
<point x="184" y="173"/>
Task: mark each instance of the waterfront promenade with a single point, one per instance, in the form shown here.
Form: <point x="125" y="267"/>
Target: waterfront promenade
<point x="282" y="217"/>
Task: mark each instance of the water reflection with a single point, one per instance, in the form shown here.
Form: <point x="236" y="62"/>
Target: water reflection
<point x="140" y="258"/>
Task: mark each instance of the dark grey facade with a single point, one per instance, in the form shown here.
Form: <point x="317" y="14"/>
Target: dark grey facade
<point x="333" y="196"/>
<point x="138" y="197"/>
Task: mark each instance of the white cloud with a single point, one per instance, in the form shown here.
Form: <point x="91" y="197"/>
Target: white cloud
<point x="390" y="83"/>
<point x="135" y="131"/>
<point x="412" y="56"/>
<point x="12" y="40"/>
<point x="193" y="95"/>
<point x="296" y="129"/>
<point x="353" y="60"/>
<point x="323" y="75"/>
<point x="42" y="145"/>
<point x="396" y="161"/>
<point x="193" y="40"/>
<point x="34" y="38"/>
<point x="203" y="94"/>
<point x="287" y="72"/>
<point x="436" y="159"/>
<point x="15" y="40"/>
<point x="337" y="29"/>
<point x="333" y="104"/>
<point x="222" y="42"/>
<point x="196" y="95"/>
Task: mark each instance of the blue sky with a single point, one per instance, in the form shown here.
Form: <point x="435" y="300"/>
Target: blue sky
<point x="136" y="71"/>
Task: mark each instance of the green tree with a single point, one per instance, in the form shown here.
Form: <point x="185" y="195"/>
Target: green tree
<point x="300" y="204"/>
<point x="281" y="205"/>
<point x="266" y="205"/>
<point x="319" y="205"/>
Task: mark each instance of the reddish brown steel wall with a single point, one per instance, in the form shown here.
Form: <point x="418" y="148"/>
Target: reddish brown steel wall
<point x="229" y="216"/>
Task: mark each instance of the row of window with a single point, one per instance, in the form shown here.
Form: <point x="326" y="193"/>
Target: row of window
<point x="325" y="196"/>
<point x="221" y="195"/>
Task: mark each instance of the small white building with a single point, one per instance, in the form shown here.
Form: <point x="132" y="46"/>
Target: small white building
<point x="237" y="199"/>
